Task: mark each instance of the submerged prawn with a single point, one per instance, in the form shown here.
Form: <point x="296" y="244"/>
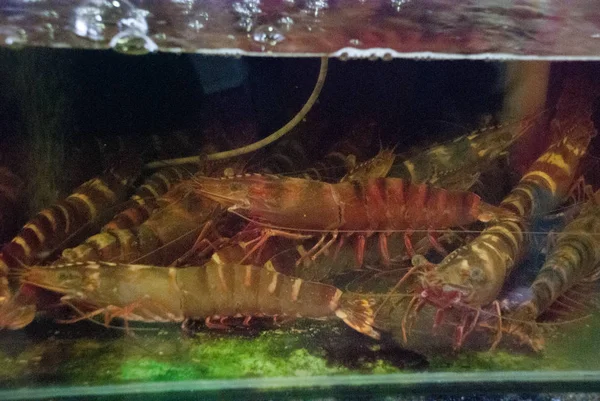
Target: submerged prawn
<point x="301" y="209"/>
<point x="457" y="164"/>
<point x="216" y="290"/>
<point x="474" y="274"/>
<point x="55" y="225"/>
<point x="145" y="200"/>
<point x="170" y="230"/>
<point x="575" y="257"/>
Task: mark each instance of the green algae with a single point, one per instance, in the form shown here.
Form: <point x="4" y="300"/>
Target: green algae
<point x="270" y="354"/>
<point x="152" y="370"/>
<point x="92" y="355"/>
<point x="486" y="361"/>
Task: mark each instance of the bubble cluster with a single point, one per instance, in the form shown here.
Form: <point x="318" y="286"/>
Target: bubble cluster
<point x="267" y="34"/>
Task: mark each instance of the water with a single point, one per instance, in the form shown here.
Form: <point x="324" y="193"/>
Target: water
<point x="490" y="29"/>
<point x="65" y="114"/>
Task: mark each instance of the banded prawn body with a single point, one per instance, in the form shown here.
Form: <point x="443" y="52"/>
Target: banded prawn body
<point x="167" y="234"/>
<point x="53" y="226"/>
<point x="146" y="197"/>
<point x="458" y="163"/>
<point x="360" y="208"/>
<point x="378" y="166"/>
<point x="163" y="223"/>
<point x="575" y="257"/>
<point x="474" y="274"/>
<point x="159" y="294"/>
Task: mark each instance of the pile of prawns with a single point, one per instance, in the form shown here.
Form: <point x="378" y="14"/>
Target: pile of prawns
<point x="188" y="246"/>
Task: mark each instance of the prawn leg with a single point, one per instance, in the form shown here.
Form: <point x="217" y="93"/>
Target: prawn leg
<point x="460" y="333"/>
<point x="326" y="246"/>
<point x="202" y="244"/>
<point x="261" y="240"/>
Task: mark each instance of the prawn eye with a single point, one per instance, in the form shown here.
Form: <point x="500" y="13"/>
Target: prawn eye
<point x="476" y="274"/>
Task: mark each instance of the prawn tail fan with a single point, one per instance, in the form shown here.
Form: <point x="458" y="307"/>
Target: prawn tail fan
<point x="359" y="314"/>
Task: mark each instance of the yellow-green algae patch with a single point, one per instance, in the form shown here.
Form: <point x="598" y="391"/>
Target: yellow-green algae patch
<point x="152" y="370"/>
<point x="77" y="354"/>
<point x="272" y="353"/>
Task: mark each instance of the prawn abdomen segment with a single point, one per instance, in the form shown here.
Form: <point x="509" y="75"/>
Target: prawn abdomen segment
<point x="231" y="290"/>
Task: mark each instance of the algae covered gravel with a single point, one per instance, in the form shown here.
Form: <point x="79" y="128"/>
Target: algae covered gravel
<point x="86" y="354"/>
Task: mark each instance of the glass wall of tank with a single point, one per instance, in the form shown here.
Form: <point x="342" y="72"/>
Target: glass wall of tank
<point x="328" y="252"/>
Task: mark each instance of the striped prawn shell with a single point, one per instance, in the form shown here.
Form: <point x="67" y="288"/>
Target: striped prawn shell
<point x="160" y="294"/>
<point x="376" y="204"/>
<point x="574" y="257"/>
<point x="549" y="179"/>
<point x="56" y="224"/>
<point x="376" y="167"/>
<point x="446" y="165"/>
<point x="480" y="268"/>
<point x="170" y="230"/>
<point x="146" y="197"/>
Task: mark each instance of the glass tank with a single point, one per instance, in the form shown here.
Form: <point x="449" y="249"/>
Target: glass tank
<point x="299" y="199"/>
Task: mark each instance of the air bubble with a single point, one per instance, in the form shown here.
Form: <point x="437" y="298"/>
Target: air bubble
<point x="315" y="6"/>
<point x="398" y="4"/>
<point x="267" y="34"/>
<point x="197" y="21"/>
<point x="133" y="36"/>
<point x="130" y="42"/>
<point x="285" y="22"/>
<point x="355" y="42"/>
<point x="186" y="3"/>
<point x="50" y="29"/>
<point x="91" y="19"/>
<point x="195" y="25"/>
<point x="136" y="22"/>
<point x="245" y="24"/>
<point x="247" y="8"/>
<point x="88" y="23"/>
<point x="52" y="14"/>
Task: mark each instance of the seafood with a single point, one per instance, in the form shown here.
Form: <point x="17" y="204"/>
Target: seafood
<point x="177" y="218"/>
<point x="394" y="317"/>
<point x="300" y="208"/>
<point x="376" y="167"/>
<point x="217" y="289"/>
<point x="474" y="274"/>
<point x="170" y="230"/>
<point x="574" y="257"/>
<point x="53" y="226"/>
<point x="454" y="165"/>
<point x="145" y="197"/>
